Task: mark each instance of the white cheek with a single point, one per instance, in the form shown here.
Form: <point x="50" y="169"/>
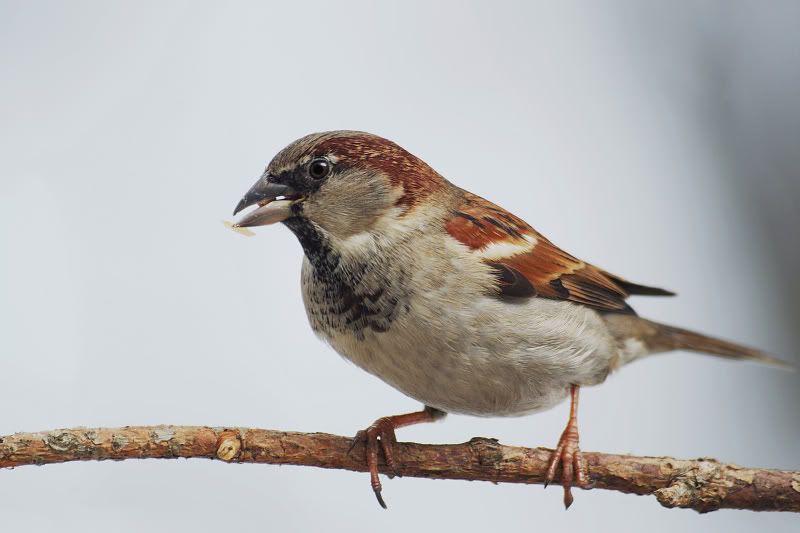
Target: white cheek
<point x="357" y="243"/>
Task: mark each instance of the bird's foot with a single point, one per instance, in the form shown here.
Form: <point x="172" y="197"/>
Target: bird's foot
<point x="573" y="467"/>
<point x="379" y="435"/>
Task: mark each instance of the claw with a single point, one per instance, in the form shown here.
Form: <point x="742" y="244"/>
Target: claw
<point x="360" y="437"/>
<point x="380" y="498"/>
<point x="568" y="499"/>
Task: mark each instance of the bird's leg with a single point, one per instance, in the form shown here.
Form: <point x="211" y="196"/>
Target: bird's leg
<point x="381" y="432"/>
<point x="573" y="468"/>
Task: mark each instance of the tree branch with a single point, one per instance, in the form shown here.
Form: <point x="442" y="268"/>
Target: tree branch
<point x="703" y="484"/>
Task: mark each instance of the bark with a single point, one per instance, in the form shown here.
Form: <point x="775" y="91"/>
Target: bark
<point x="702" y="484"/>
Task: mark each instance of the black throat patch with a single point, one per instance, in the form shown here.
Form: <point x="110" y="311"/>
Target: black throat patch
<point x="344" y="295"/>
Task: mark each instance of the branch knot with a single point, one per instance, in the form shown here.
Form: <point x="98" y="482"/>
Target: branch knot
<point x="703" y="487"/>
<point x="229" y="444"/>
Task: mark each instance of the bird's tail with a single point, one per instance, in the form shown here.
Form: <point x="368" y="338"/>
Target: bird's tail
<point x="638" y="337"/>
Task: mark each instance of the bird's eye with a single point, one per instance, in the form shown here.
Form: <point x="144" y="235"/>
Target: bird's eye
<point x="319" y="168"/>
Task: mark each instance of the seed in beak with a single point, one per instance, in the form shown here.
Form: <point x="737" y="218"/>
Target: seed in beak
<point x="238" y="229"/>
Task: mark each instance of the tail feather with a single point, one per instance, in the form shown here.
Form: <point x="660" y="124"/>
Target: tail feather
<point x="663" y="338"/>
<point x="682" y="339"/>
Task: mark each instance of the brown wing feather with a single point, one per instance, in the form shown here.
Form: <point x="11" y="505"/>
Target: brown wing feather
<point x="506" y="240"/>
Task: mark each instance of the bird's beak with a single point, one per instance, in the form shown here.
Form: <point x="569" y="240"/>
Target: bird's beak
<point x="274" y="199"/>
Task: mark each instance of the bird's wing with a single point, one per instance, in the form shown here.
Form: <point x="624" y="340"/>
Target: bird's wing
<point x="527" y="264"/>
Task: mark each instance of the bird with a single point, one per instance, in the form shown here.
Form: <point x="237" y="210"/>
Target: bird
<point x="449" y="298"/>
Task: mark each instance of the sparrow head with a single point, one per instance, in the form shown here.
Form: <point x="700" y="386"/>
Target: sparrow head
<point x="344" y="182"/>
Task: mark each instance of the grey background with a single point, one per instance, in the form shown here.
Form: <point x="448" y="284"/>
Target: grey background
<point x="658" y="140"/>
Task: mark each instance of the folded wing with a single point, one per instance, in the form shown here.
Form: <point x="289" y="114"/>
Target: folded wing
<point x="527" y="264"/>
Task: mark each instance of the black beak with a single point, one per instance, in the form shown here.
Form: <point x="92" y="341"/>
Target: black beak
<point x="264" y="189"/>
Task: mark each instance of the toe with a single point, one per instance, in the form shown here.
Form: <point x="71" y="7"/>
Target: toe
<point x="581" y="476"/>
<point x="567" y="471"/>
<point x="388" y="452"/>
<point x="555" y="458"/>
<point x="372" y="463"/>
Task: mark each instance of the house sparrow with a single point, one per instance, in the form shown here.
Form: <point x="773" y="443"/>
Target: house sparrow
<point x="448" y="297"/>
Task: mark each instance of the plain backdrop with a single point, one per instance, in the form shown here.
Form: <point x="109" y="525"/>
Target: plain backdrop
<point x="657" y="140"/>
